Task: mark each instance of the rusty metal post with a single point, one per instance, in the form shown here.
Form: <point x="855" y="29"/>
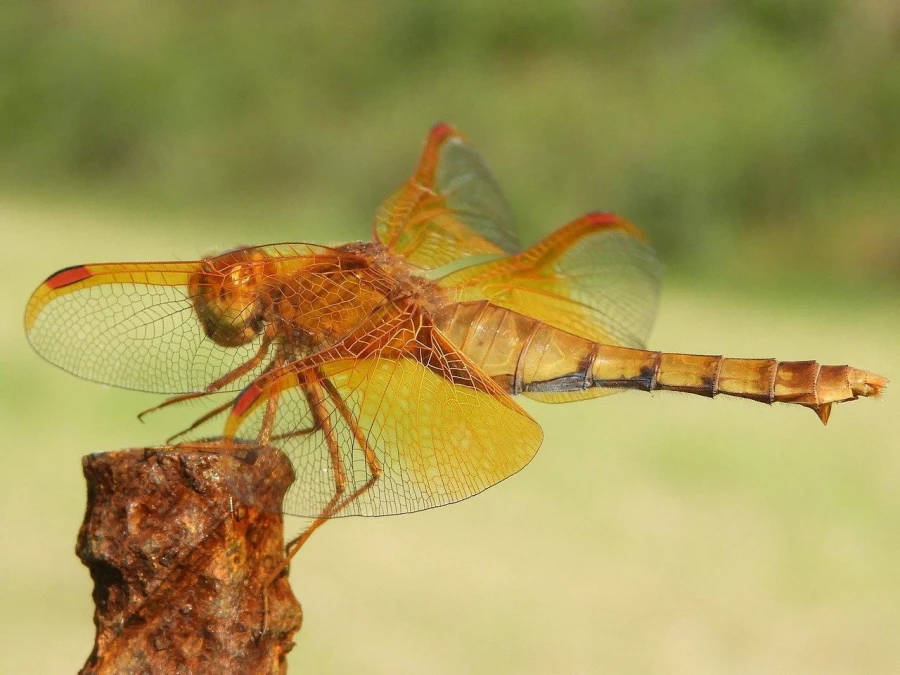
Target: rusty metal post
<point x="178" y="563"/>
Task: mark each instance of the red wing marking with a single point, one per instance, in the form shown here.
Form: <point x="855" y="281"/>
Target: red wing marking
<point x="611" y="220"/>
<point x="246" y="399"/>
<point x="68" y="276"/>
<point x="441" y="131"/>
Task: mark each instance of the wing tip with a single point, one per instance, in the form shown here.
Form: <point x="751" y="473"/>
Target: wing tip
<point x="605" y="219"/>
<point x="67" y="277"/>
<point x="601" y="218"/>
<point x="442" y="132"/>
<point x="60" y="279"/>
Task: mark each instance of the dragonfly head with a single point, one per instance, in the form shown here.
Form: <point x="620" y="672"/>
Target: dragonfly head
<point x="231" y="295"/>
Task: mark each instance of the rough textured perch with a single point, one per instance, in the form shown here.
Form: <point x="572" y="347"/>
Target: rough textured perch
<point x="178" y="563"/>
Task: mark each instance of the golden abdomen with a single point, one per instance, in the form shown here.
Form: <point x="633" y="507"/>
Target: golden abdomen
<point x="526" y="356"/>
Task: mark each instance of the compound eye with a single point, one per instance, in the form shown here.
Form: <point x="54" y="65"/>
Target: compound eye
<point x="230" y="296"/>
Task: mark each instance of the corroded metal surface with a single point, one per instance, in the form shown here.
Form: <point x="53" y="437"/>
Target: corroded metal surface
<point x="178" y="563"/>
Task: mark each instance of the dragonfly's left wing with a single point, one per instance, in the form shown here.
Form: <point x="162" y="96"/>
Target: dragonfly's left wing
<point x="135" y="325"/>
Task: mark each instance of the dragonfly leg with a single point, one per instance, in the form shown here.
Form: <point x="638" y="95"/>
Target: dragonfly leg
<point x="312" y="428"/>
<point x="208" y="416"/>
<point x="213" y="387"/>
<point x="268" y="419"/>
<point x="315" y="396"/>
<point x="371" y="460"/>
<point x="336" y="505"/>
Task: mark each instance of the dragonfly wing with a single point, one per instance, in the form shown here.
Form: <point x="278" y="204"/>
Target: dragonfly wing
<point x="597" y="277"/>
<point x="439" y="429"/>
<point x="450" y="208"/>
<point x="134" y="325"/>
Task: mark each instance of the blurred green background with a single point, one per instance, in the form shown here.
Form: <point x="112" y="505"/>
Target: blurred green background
<point x="758" y="144"/>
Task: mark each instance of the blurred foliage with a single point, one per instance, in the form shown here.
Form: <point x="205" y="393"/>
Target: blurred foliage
<point x="749" y="137"/>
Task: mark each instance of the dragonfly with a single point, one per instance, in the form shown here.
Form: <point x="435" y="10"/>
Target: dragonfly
<point x="386" y="370"/>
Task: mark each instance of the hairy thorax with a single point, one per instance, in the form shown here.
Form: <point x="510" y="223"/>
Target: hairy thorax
<point x="354" y="292"/>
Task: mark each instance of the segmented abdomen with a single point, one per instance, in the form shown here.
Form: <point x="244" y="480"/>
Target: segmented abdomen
<point x="529" y="357"/>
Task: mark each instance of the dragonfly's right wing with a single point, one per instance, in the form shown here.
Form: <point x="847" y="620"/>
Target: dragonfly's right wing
<point x="597" y="277"/>
<point x="402" y="399"/>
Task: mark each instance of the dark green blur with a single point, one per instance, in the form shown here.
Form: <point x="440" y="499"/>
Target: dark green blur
<point x="753" y="139"/>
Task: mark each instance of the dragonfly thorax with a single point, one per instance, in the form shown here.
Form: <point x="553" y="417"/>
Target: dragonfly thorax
<point x="325" y="301"/>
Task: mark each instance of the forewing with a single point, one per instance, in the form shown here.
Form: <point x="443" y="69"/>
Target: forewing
<point x="133" y="325"/>
<point x="439" y="429"/>
<point x="450" y="208"/>
<point x="597" y="277"/>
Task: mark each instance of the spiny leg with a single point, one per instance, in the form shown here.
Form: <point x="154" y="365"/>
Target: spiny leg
<point x="334" y="506"/>
<point x="213" y="387"/>
<point x="371" y="460"/>
<point x="206" y="417"/>
<point x="312" y="428"/>
<point x="315" y="397"/>
<point x="268" y="420"/>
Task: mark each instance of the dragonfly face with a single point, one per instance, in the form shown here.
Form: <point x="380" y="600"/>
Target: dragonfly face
<point x="231" y="296"/>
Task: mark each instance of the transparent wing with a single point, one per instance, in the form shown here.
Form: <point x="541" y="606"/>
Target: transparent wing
<point x="450" y="208"/>
<point x="438" y="429"/>
<point x="134" y="325"/>
<point x="597" y="277"/>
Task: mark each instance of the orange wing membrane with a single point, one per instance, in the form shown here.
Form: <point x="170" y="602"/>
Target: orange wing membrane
<point x="389" y="391"/>
<point x="597" y="277"/>
<point x="450" y="208"/>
